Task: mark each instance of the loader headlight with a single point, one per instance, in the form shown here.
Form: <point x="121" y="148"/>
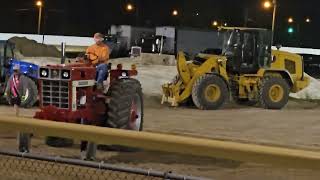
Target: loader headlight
<point x="44" y="73"/>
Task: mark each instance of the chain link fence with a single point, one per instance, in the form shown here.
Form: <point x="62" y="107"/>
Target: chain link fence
<point x="20" y="166"/>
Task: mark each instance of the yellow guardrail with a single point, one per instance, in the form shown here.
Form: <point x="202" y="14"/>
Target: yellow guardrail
<point x="276" y="156"/>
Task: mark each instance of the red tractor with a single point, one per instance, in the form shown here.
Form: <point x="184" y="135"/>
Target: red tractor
<point x="68" y="93"/>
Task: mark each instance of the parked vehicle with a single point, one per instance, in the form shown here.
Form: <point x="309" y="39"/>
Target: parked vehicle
<point x="7" y="62"/>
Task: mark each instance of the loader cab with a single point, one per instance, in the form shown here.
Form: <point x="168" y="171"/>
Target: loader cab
<point x="247" y="49"/>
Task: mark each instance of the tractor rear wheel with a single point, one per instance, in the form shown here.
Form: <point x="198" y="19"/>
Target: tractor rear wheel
<point x="209" y="92"/>
<point x="274" y="93"/>
<point x="125" y="110"/>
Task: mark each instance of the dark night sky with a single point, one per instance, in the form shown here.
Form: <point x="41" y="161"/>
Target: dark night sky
<point x="84" y="17"/>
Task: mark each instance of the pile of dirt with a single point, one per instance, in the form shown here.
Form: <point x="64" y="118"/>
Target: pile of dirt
<point x="312" y="92"/>
<point x="30" y="48"/>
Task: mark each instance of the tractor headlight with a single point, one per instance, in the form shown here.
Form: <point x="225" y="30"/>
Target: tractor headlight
<point x="124" y="74"/>
<point x="44" y="73"/>
<point x="65" y="74"/>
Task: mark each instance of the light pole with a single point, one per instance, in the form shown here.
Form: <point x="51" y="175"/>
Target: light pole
<point x="39" y="4"/>
<point x="131" y="8"/>
<point x="268" y="4"/>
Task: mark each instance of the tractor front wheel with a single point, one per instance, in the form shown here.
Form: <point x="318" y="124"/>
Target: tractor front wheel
<point x="125" y="110"/>
<point x="209" y="92"/>
<point x="274" y="93"/>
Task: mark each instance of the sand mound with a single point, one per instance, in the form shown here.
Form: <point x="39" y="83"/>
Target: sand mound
<point x="30" y="51"/>
<point x="30" y="48"/>
<point x="312" y="92"/>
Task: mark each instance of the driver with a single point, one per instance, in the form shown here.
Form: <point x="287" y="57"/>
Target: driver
<point x="98" y="55"/>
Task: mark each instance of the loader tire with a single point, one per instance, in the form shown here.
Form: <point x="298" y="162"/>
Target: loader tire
<point x="125" y="110"/>
<point x="209" y="92"/>
<point x="274" y="93"/>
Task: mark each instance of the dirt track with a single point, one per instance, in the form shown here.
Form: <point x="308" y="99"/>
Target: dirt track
<point x="296" y="126"/>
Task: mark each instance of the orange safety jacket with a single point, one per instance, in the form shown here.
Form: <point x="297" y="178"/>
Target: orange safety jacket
<point x="98" y="54"/>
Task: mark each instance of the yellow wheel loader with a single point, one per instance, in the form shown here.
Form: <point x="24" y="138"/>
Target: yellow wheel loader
<point x="247" y="70"/>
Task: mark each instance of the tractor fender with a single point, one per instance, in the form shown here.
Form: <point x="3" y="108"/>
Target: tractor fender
<point x="284" y="74"/>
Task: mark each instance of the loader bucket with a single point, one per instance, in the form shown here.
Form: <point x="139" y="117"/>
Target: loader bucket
<point x="170" y="94"/>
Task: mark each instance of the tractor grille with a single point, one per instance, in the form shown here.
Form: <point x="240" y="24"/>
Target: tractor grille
<point x="55" y="93"/>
